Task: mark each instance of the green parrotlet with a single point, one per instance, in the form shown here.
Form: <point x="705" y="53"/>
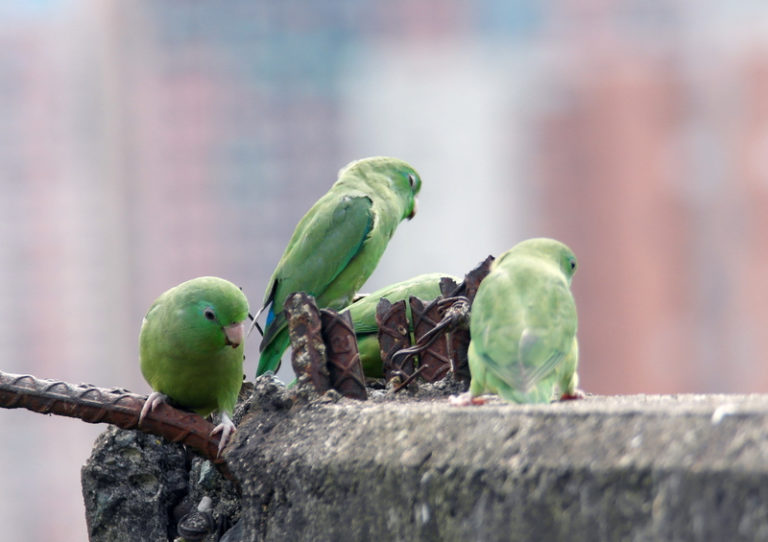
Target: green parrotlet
<point x="523" y="326"/>
<point x="338" y="243"/>
<point x="191" y="349"/>
<point x="363" y="313"/>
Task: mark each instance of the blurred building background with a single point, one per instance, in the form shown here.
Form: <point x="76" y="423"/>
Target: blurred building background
<point x="145" y="143"/>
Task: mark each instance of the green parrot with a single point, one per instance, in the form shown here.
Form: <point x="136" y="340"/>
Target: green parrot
<point x="191" y="349"/>
<point x="363" y="313"/>
<point x="337" y="244"/>
<point x="523" y="326"/>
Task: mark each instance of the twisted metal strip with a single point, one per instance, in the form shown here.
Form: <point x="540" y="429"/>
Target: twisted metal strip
<point x="468" y="287"/>
<point x="309" y="355"/>
<point x="344" y="364"/>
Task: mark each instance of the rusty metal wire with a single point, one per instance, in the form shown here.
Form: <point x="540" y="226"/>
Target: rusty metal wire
<point x="445" y="318"/>
<point x="115" y="406"/>
<point x="440" y="328"/>
<point x="443" y="336"/>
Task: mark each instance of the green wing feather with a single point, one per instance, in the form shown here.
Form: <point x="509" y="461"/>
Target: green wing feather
<point x="341" y="232"/>
<point x="324" y="244"/>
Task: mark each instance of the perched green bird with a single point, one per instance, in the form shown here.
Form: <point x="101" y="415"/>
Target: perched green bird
<point x="523" y="326"/>
<point x="191" y="349"/>
<point x="363" y="313"/>
<point x="338" y="243"/>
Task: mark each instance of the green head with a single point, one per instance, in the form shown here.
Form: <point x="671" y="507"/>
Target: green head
<point x="213" y="310"/>
<point x="546" y="249"/>
<point x="382" y="173"/>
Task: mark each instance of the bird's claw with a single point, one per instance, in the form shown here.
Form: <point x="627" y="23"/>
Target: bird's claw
<point x="226" y="428"/>
<point x="153" y="401"/>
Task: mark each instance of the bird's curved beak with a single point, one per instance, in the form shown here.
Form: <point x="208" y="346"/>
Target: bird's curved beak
<point x="235" y="334"/>
<point x="413" y="209"/>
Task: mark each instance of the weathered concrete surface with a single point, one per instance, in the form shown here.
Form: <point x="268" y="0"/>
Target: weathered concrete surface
<point x="686" y="467"/>
<point x="130" y="483"/>
<point x="138" y="487"/>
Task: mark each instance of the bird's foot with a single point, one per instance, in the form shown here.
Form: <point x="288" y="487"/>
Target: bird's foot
<point x="153" y="400"/>
<point x="226" y="428"/>
<point x="573" y="395"/>
<point x="466" y="399"/>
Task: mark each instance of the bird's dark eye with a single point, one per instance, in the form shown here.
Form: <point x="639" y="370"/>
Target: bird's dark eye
<point x="209" y="314"/>
<point x="411" y="179"/>
<point x="572" y="264"/>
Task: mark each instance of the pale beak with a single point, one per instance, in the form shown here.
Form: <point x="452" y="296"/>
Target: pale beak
<point x="235" y="334"/>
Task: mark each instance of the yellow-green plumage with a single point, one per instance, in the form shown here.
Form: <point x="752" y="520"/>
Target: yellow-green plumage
<point x="338" y="243"/>
<point x="191" y="346"/>
<point x="523" y="325"/>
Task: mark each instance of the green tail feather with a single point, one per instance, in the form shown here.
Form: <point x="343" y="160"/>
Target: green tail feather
<point x="273" y="353"/>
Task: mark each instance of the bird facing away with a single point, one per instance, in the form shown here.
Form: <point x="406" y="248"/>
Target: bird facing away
<point x="363" y="313"/>
<point x="338" y="243"/>
<point x="523" y="326"/>
<point x="191" y="349"/>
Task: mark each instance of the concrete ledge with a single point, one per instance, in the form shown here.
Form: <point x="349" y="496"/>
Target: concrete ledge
<point x="687" y="467"/>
